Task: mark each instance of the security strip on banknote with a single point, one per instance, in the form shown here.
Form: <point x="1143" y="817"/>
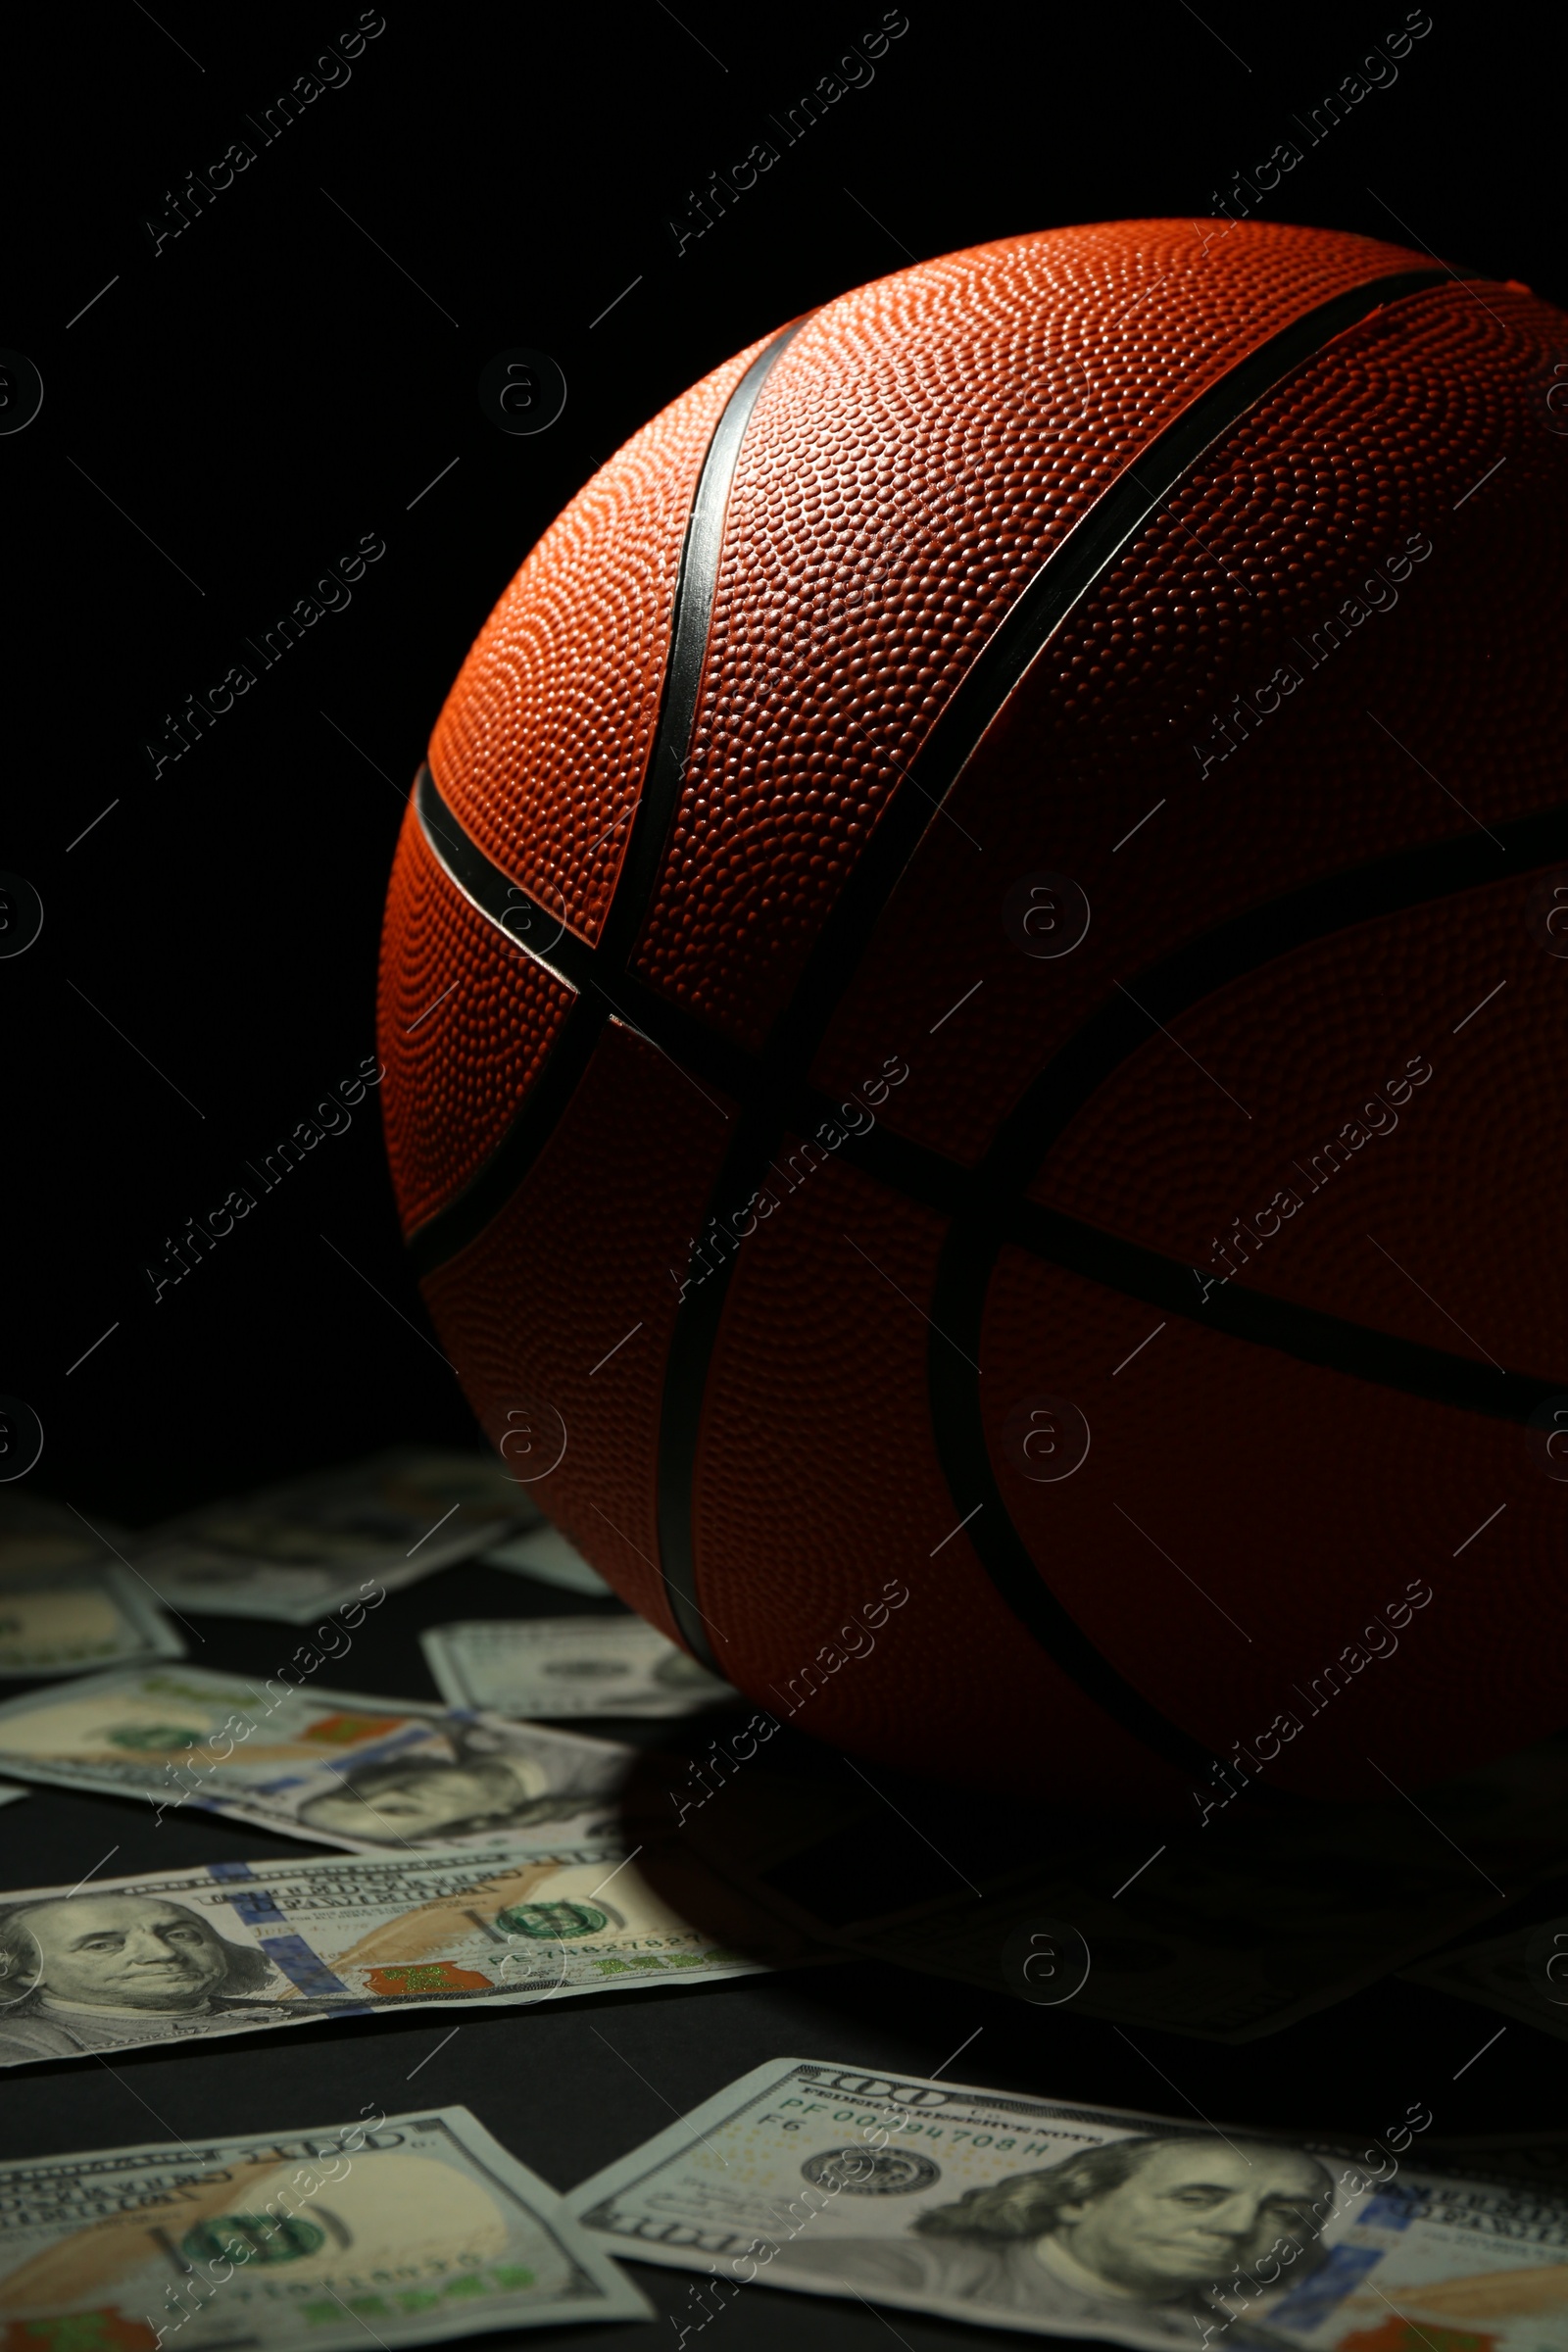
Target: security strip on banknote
<point x="1067" y="2220"/>
<point x="229" y="1947"/>
<point x="333" y="1766"/>
<point x="400" y="2230"/>
<point x="295" y="1550"/>
<point x="527" y="1667"/>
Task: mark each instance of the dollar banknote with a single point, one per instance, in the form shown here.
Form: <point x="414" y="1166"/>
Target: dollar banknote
<point x="329" y="1765"/>
<point x="396" y="2230"/>
<point x="1523" y="1975"/>
<point x="229" y="1947"/>
<point x="295" y="1550"/>
<point x="1070" y="2220"/>
<point x="533" y="1666"/>
<point x="36" y="1534"/>
<point x="544" y="1554"/>
<point x="60" y="1620"/>
<point x="1225" y="1934"/>
<point x="1538" y="2158"/>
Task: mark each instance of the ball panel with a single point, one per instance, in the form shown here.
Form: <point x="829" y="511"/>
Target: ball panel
<point x="1370" y="443"/>
<point x="542" y="745"/>
<point x="1427" y="1207"/>
<point x="915" y="454"/>
<point x="816" y="1483"/>
<point x="583" y="1253"/>
<point x="464" y="1025"/>
<point x="1302" y="1502"/>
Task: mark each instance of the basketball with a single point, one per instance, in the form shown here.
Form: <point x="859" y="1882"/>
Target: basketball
<point x="972" y="999"/>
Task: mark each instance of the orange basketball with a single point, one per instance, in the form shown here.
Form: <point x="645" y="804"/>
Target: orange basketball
<point x="973" y="1008"/>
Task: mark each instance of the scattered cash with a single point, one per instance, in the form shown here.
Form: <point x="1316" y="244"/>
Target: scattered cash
<point x="401" y="2231"/>
<point x="984" y="2206"/>
<point x="227" y="1947"/>
<point x="1523" y="1975"/>
<point x="58" y="1620"/>
<point x="533" y="1666"/>
<point x="328" y="1765"/>
<point x="295" y="1550"/>
<point x="545" y="1554"/>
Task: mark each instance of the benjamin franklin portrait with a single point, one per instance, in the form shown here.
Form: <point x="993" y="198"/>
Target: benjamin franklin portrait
<point x="103" y="1972"/>
<point x="1146" y="2229"/>
<point x="495" y="1786"/>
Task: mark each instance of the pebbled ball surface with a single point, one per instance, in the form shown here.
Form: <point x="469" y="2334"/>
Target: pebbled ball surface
<point x="574" y="1275"/>
<point x="960" y="419"/>
<point x="563" y="686"/>
<point x="811" y="1501"/>
<point x="1240" y="1518"/>
<point x="1368" y="446"/>
<point x="465" y="1024"/>
<point x="1363" y="1177"/>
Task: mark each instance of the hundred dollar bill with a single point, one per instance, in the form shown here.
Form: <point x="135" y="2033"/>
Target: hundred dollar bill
<point x="401" y="2231"/>
<point x="1538" y="2158"/>
<point x="533" y="1666"/>
<point x="294" y="1551"/>
<point x="38" y="1534"/>
<point x="1523" y="1975"/>
<point x="227" y="1947"/>
<point x="544" y="1554"/>
<point x="60" y="1620"/>
<point x="329" y="1765"/>
<point x="1225" y="1934"/>
<point x="68" y="1597"/>
<point x="1070" y="2220"/>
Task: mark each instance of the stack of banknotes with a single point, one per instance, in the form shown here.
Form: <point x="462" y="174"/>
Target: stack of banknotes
<point x="517" y="1841"/>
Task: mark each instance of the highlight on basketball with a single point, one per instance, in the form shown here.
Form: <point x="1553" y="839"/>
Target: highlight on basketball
<point x="990" y="904"/>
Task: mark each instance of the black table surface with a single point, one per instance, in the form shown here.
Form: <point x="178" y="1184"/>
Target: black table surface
<point x="567" y="2088"/>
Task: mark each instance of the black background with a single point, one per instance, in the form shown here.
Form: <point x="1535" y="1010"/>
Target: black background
<point x="228" y="419"/>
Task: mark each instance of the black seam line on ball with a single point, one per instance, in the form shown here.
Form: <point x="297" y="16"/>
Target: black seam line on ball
<point x="696" y="593"/>
<point x="987" y="1219"/>
<point x="958" y="1309"/>
<point x="675" y="1031"/>
<point x="1115" y="1031"/>
<point x="533" y="933"/>
<point x="1260" y="935"/>
<point x="1508" y="850"/>
<point x="1251" y="941"/>
<point x="531" y="926"/>
<point x="1003" y="1554"/>
<point x="1126" y="507"/>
